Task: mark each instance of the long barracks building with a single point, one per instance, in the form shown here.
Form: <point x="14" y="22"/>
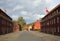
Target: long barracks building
<point x="51" y="22"/>
<point x="5" y="23"/>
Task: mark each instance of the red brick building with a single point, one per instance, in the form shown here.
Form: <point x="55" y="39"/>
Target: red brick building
<point x="51" y="22"/>
<point x="5" y="23"/>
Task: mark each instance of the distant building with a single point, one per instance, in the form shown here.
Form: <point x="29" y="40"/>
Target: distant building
<point x="36" y="25"/>
<point x="30" y="27"/>
<point x="6" y="25"/>
<point x="25" y="27"/>
<point x="51" y="22"/>
<point x="17" y="27"/>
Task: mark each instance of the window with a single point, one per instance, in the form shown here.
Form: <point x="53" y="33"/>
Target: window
<point x="54" y="12"/>
<point x="57" y="19"/>
<point x="44" y="24"/>
<point x="51" y="13"/>
<point x="0" y="21"/>
<point x="10" y="24"/>
<point x="58" y="29"/>
<point x="54" y="20"/>
<point x="50" y="21"/>
<point x="54" y="29"/>
<point x="47" y="23"/>
<point x="4" y="21"/>
<point x="58" y="9"/>
<point x="7" y="22"/>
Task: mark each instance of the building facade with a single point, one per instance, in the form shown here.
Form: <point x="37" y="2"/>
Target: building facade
<point x="36" y="25"/>
<point x="5" y="23"/>
<point x="51" y="22"/>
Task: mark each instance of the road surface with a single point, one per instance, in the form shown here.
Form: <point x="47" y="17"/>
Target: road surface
<point x="36" y="36"/>
<point x="29" y="36"/>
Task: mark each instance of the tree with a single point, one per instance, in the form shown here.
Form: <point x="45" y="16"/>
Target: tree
<point x="21" y="21"/>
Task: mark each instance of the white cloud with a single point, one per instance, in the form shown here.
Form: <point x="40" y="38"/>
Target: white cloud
<point x="36" y="2"/>
<point x="14" y="17"/>
<point x="26" y="17"/>
<point x="37" y="16"/>
<point x="24" y="12"/>
<point x="18" y="7"/>
<point x="51" y="7"/>
<point x="49" y="1"/>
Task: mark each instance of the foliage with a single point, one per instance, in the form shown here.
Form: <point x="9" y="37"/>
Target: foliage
<point x="21" y="21"/>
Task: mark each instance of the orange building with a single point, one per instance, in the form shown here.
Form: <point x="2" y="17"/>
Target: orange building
<point x="36" y="25"/>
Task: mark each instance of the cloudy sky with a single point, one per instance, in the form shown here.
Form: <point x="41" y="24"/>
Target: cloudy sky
<point x="31" y="10"/>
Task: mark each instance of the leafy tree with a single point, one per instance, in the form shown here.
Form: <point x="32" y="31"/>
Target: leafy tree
<point x="21" y="21"/>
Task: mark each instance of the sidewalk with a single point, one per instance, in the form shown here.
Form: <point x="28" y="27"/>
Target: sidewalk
<point x="10" y="36"/>
<point x="46" y="37"/>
